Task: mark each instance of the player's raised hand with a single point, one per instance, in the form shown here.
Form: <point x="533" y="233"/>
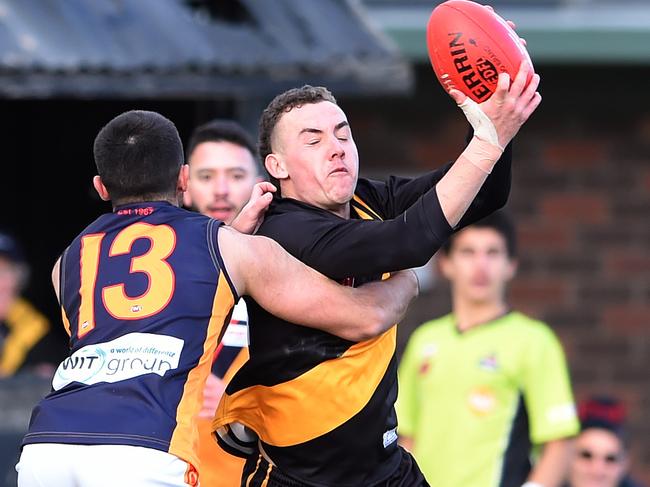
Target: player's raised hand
<point x="498" y="119"/>
<point x="512" y="104"/>
<point x="252" y="215"/>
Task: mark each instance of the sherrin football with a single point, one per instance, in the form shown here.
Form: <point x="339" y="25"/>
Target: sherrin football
<point x="469" y="45"/>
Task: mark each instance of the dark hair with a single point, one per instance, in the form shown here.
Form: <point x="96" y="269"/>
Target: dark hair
<point x="499" y="221"/>
<point x="281" y="104"/>
<point x="138" y="156"/>
<point x="223" y="131"/>
<point x="606" y="413"/>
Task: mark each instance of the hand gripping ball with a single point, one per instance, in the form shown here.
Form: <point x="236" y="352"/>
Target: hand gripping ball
<point x="469" y="45"/>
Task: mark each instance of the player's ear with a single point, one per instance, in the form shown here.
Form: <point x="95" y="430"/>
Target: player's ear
<point x="183" y="177"/>
<point x="100" y="188"/>
<point x="276" y="167"/>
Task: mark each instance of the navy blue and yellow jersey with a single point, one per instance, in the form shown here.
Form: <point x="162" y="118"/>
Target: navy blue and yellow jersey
<point x="323" y="407"/>
<point x="145" y="297"/>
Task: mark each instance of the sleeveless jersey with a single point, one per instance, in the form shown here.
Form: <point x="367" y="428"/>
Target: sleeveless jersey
<point x="145" y="297"/>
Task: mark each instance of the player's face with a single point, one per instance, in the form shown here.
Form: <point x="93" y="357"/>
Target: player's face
<point x="599" y="459"/>
<point x="315" y="143"/>
<point x="222" y="176"/>
<point x="478" y="266"/>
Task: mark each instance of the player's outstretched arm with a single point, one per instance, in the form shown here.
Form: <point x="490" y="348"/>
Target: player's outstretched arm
<point x="495" y="122"/>
<point x="287" y="288"/>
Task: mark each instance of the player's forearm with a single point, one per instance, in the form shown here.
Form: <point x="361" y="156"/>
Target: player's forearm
<point x="494" y="192"/>
<point x="458" y="188"/>
<point x="386" y="303"/>
<point x="553" y="464"/>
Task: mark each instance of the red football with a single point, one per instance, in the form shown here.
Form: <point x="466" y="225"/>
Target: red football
<point x="469" y="45"/>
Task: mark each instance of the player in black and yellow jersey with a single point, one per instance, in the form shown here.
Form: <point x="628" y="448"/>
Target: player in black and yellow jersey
<point x="145" y="293"/>
<point x="321" y="406"/>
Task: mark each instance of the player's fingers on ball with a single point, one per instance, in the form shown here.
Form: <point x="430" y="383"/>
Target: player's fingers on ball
<point x="532" y="105"/>
<point x="503" y="85"/>
<point x="523" y="41"/>
<point x="489" y="7"/>
<point x="512" y="25"/>
<point x="530" y="90"/>
<point x="519" y="82"/>
<point x="458" y="96"/>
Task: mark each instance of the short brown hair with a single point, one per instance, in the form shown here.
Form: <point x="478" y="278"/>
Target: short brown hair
<point x="283" y="103"/>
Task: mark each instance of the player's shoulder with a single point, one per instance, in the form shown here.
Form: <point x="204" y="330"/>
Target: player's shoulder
<point x="528" y="327"/>
<point x="371" y="193"/>
<point x="289" y="219"/>
<point x="433" y="329"/>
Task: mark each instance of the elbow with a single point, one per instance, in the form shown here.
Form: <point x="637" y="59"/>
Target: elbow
<point x="374" y="325"/>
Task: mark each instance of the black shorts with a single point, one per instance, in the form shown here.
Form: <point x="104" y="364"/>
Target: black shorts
<point x="258" y="472"/>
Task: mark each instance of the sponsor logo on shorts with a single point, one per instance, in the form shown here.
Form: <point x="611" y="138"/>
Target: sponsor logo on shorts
<point x="125" y="357"/>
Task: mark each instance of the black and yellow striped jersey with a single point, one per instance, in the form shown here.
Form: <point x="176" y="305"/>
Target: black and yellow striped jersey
<point x="323" y="407"/>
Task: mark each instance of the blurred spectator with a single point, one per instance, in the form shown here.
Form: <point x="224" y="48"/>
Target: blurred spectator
<point x="21" y="325"/>
<point x="480" y="387"/>
<point x="601" y="456"/>
<point x="224" y="168"/>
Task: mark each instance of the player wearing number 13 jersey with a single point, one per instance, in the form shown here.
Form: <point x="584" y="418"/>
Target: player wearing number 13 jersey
<point x="144" y="295"/>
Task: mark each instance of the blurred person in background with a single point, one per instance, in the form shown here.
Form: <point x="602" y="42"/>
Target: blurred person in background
<point x="601" y="453"/>
<point x="480" y="386"/>
<point x="22" y="327"/>
<point x="224" y="169"/>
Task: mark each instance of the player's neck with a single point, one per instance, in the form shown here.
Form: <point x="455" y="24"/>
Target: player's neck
<point x="470" y="314"/>
<point x="137" y="200"/>
<point x="342" y="210"/>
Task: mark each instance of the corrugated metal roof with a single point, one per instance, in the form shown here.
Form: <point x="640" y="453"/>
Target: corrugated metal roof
<point x="167" y="48"/>
<point x="606" y="32"/>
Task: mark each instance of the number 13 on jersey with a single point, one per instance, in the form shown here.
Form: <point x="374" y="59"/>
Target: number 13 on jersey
<point x="153" y="264"/>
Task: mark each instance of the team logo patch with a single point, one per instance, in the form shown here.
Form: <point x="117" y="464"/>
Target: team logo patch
<point x="489" y="363"/>
<point x="428" y="352"/>
<point x="125" y="357"/>
<point x="482" y="401"/>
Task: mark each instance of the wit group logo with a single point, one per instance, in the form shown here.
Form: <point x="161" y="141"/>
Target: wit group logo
<point x="125" y="357"/>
